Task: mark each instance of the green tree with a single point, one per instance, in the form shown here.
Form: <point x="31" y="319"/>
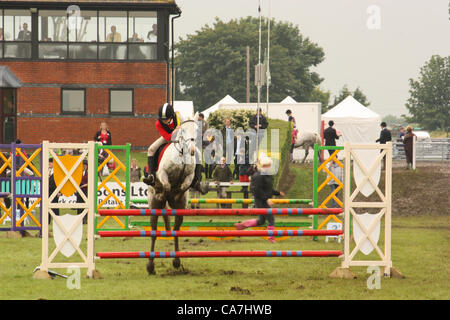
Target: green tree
<point x="318" y="95"/>
<point x="357" y="94"/>
<point x="429" y="102"/>
<point x="212" y="62"/>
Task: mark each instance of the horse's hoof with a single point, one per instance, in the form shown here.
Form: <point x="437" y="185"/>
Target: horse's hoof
<point x="151" y="268"/>
<point x="176" y="263"/>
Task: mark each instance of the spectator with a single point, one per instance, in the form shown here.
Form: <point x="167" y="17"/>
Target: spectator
<point x="385" y="136"/>
<point x="337" y="171"/>
<point x="330" y="135"/>
<point x="25" y="34"/>
<point x="103" y="135"/>
<point x="263" y="124"/>
<point x="222" y="173"/>
<point x="135" y="171"/>
<point x="209" y="163"/>
<point x="228" y="140"/>
<point x="152" y="35"/>
<point x="408" y="143"/>
<point x="114" y="36"/>
<point x="401" y="134"/>
<point x="294" y="134"/>
<point x="262" y="191"/>
<point x="291" y="119"/>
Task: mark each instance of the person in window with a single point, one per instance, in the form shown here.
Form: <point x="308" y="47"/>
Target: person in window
<point x="135" y="38"/>
<point x="24" y="50"/>
<point x="114" y="36"/>
<point x="152" y="35"/>
<point x="25" y="34"/>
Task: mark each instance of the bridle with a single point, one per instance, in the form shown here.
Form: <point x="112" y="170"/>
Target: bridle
<point x="181" y="141"/>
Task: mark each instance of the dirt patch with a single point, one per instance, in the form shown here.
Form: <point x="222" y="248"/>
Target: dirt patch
<point x="240" y="290"/>
<point x="424" y="191"/>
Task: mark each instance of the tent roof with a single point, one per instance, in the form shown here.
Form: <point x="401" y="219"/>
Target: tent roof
<point x="351" y="108"/>
<point x="8" y="79"/>
<point x="227" y="99"/>
<point x="288" y="99"/>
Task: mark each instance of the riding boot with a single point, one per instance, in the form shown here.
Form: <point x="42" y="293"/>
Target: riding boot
<point x="150" y="179"/>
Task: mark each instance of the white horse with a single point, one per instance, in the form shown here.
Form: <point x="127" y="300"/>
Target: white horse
<point x="307" y="140"/>
<point x="174" y="176"/>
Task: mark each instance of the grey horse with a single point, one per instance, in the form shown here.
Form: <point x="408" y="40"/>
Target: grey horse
<point x="173" y="179"/>
<point x="307" y="140"/>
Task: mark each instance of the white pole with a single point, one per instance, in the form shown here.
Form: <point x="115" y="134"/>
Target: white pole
<point x="258" y="82"/>
<point x="268" y="62"/>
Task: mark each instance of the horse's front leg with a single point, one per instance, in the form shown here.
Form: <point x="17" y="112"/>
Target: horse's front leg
<point x="186" y="184"/>
<point x="150" y="263"/>
<point x="178" y="221"/>
<point x="164" y="179"/>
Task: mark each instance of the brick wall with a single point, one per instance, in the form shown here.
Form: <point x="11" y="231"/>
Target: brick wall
<point x="39" y="100"/>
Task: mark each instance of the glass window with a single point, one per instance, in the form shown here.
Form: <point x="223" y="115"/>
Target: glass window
<point x="17" y="25"/>
<point x="112" y="26"/>
<point x="121" y="101"/>
<point x="82" y="26"/>
<point x="142" y="26"/>
<point x="52" y="26"/>
<point x="73" y="101"/>
<point x="17" y="33"/>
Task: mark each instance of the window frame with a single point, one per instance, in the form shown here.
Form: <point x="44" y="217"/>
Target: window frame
<point x="63" y="112"/>
<point x="121" y="112"/>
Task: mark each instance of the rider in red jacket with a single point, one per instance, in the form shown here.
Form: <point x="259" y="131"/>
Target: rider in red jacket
<point x="167" y="127"/>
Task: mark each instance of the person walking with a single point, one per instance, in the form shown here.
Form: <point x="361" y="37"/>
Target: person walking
<point x="408" y="142"/>
<point x="330" y="136"/>
<point x="263" y="190"/>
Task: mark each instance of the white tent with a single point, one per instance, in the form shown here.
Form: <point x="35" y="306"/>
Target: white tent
<point x="185" y="108"/>
<point x="357" y="123"/>
<point x="288" y="100"/>
<point x="226" y="99"/>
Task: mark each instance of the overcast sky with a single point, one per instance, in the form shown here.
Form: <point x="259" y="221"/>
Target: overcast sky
<point x="379" y="61"/>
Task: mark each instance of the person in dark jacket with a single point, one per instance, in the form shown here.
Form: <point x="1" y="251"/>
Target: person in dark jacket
<point x="262" y="188"/>
<point x="385" y="136"/>
<point x="408" y="142"/>
<point x="263" y="124"/>
<point x="222" y="173"/>
<point x="330" y="136"/>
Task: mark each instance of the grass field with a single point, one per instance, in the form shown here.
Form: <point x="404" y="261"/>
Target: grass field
<point x="424" y="260"/>
<point x="420" y="250"/>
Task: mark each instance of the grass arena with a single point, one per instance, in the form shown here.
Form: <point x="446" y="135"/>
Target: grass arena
<point x="103" y="264"/>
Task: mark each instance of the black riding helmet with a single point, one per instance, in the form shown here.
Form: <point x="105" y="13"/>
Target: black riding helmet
<point x="166" y="112"/>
